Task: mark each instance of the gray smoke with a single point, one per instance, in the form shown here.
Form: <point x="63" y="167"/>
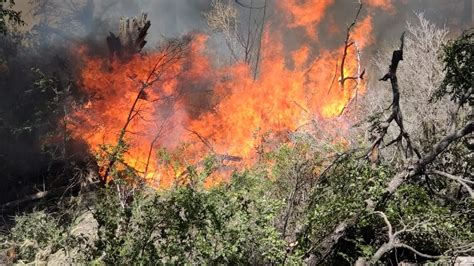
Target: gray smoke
<point x="57" y="22"/>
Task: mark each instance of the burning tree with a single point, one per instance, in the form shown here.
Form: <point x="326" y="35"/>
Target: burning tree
<point x="171" y="53"/>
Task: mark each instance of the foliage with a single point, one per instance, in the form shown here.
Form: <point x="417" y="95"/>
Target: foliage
<point x="8" y="15"/>
<point x="231" y="223"/>
<point x="34" y="232"/>
<point x="240" y="222"/>
<point x="432" y="228"/>
<point x="293" y="169"/>
<point x="458" y="57"/>
<point x="440" y="230"/>
<point x="340" y="194"/>
<point x="37" y="235"/>
<point x="431" y="215"/>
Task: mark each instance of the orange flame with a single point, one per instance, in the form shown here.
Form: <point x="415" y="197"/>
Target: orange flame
<point x="384" y="4"/>
<point x="231" y="106"/>
<point x="306" y="14"/>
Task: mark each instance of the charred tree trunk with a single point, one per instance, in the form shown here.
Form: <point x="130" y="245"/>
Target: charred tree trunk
<point x="130" y="39"/>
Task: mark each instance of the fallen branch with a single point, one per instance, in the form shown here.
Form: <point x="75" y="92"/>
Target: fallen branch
<point x="48" y="194"/>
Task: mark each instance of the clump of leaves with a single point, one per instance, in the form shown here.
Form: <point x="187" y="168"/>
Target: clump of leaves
<point x="35" y="233"/>
<point x="340" y="194"/>
<point x="229" y="223"/>
<point x="441" y="231"/>
<point x="458" y="57"/>
<point x="8" y="15"/>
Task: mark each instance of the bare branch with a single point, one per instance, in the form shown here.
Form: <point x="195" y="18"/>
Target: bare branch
<point x="243" y="38"/>
<point x="203" y="139"/>
<point x="417" y="252"/>
<point x="460" y="180"/>
<point x="387" y="222"/>
<point x="347" y="44"/>
<point x="396" y="114"/>
<point x="394" y="242"/>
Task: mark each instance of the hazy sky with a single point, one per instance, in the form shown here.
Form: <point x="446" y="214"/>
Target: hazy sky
<point x="173" y="18"/>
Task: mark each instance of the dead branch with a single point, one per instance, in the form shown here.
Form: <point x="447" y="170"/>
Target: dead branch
<point x="380" y="130"/>
<point x="462" y="249"/>
<point x="203" y="140"/>
<point x="347" y="44"/>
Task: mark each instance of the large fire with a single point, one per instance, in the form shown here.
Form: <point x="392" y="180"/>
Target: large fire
<point x="226" y="108"/>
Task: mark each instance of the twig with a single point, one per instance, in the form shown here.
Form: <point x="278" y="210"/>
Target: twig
<point x="347" y="45"/>
<point x="204" y="140"/>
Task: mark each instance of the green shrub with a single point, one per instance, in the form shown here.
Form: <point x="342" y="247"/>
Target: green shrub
<point x="230" y="223"/>
<point x="36" y="233"/>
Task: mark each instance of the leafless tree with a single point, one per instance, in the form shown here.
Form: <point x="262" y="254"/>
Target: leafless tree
<point x="223" y="18"/>
<point x="423" y="44"/>
<point x="242" y="26"/>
